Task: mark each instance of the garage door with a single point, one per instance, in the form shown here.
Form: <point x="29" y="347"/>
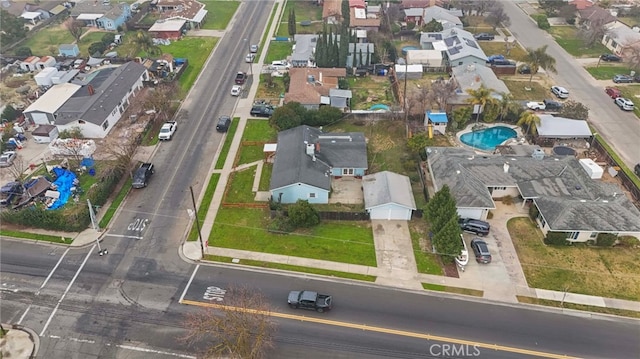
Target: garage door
<point x="390" y="213"/>
<point x="39" y="118"/>
<point x="470" y="213"/>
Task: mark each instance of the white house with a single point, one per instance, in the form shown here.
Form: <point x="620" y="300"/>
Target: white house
<point x="388" y="195"/>
<point x="459" y="46"/>
<point x="42" y="111"/>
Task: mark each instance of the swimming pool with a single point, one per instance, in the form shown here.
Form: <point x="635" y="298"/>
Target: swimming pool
<point x="487" y="139"/>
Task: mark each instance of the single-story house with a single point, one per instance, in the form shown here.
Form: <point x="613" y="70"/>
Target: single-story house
<point x="190" y="10"/>
<point x="460" y="47"/>
<point x="388" y="195"/>
<point x="358" y="4"/>
<point x="332" y="11"/>
<point x="436" y="122"/>
<point x="447" y="18"/>
<point x="596" y="15"/>
<point x="360" y="20"/>
<point x="311" y="86"/>
<point x="568" y="200"/>
<point x="30" y="63"/>
<point x="581" y="4"/>
<point x="69" y="50"/>
<point x="360" y="54"/>
<point x="169" y="29"/>
<point x="42" y="111"/>
<point x="471" y="77"/>
<point x="618" y="39"/>
<point x="414" y="15"/>
<point x="102" y="15"/>
<point x="560" y="127"/>
<point x="307" y="159"/>
<point x="98" y="105"/>
<point x="304" y="50"/>
<point x="45" y="133"/>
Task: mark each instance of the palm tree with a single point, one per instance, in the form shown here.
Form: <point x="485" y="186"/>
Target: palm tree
<point x="145" y="43"/>
<point x="538" y="58"/>
<point x="529" y="120"/>
<point x="505" y="104"/>
<point x="481" y="96"/>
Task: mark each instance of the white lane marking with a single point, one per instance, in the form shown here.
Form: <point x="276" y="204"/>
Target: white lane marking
<point x="24" y="314"/>
<point x="189" y="283"/>
<point x="46" y="325"/>
<point x="122" y="236"/>
<point x="53" y="270"/>
<point x="145" y="350"/>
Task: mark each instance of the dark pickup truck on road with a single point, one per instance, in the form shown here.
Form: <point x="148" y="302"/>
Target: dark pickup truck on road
<point x="309" y="300"/>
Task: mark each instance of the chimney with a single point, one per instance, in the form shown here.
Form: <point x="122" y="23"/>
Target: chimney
<point x="317" y="146"/>
<point x="310" y="149"/>
<point x="91" y="90"/>
<point x="505" y="167"/>
<point x="320" y="77"/>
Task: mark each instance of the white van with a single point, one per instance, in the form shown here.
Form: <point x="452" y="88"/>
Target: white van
<point x="281" y="65"/>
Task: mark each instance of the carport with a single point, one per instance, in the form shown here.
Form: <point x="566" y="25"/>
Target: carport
<point x="562" y="128"/>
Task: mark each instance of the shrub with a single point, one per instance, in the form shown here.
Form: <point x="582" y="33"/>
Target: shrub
<point x="281" y="224"/>
<point x="303" y="215"/>
<point x="606" y="240"/>
<point x="542" y="21"/>
<point x="508" y="200"/>
<point x="97" y="48"/>
<point x="557" y="239"/>
<point x="23" y="51"/>
<point x="533" y="212"/>
<point x="108" y="38"/>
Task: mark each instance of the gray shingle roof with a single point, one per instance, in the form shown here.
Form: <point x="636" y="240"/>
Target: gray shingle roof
<point x="568" y="199"/>
<point x="474" y="75"/>
<point x="304" y="47"/>
<point x="387" y="187"/>
<point x="110" y="85"/>
<point x="293" y="165"/>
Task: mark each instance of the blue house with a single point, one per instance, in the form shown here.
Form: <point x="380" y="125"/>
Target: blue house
<point x="436" y="122"/>
<point x="68" y="50"/>
<point x="102" y="15"/>
<point x="307" y="160"/>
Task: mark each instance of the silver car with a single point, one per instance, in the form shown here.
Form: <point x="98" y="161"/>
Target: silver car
<point x="7" y="158"/>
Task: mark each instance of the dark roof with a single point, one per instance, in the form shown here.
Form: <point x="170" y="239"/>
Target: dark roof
<point x="110" y="85"/>
<point x="293" y="165"/>
<point x="568" y="199"/>
<point x="110" y="11"/>
<point x="596" y="13"/>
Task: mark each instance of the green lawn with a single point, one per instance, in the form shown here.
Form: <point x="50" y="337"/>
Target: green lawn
<point x="456" y="290"/>
<point x="113" y="207"/>
<point x="567" y="37"/>
<point x="370" y="90"/>
<point x="607" y="72"/>
<point x="426" y="262"/>
<point x="245" y="228"/>
<point x="519" y="90"/>
<point x="196" y="50"/>
<point x="268" y="28"/>
<point x="34" y="236"/>
<point x="314" y="28"/>
<point x="240" y="185"/>
<point x="265" y="177"/>
<point x="250" y="154"/>
<point x="278" y="50"/>
<point x="227" y="142"/>
<point x="89" y="39"/>
<point x="220" y="13"/>
<point x="204" y="205"/>
<point x="493" y="48"/>
<point x="266" y="92"/>
<point x="46" y="41"/>
<point x="259" y="130"/>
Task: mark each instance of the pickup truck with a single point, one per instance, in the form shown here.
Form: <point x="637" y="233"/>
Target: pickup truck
<point x="306" y="299"/>
<point x="167" y="130"/>
<point x="241" y="78"/>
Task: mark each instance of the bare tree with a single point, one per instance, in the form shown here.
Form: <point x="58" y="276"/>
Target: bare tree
<point x="240" y="327"/>
<point x="465" y="5"/>
<point x="160" y="99"/>
<point x="593" y="32"/>
<point x="441" y="92"/>
<point x="75" y="28"/>
<point x="632" y="56"/>
<point x="509" y="45"/>
<point x="482" y="6"/>
<point x="497" y="17"/>
<point x="119" y="152"/>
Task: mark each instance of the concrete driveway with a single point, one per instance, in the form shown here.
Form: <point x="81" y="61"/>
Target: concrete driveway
<point x="621" y="129"/>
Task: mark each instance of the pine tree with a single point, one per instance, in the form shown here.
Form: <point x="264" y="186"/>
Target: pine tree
<point x="344" y="46"/>
<point x="440" y="209"/>
<point x="292" y="23"/>
<point x="346" y="13"/>
<point x="360" y="58"/>
<point x="447" y="241"/>
<point x="368" y="62"/>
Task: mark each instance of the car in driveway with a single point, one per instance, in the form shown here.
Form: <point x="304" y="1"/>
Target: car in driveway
<point x="536" y="106"/>
<point x="236" y="90"/>
<point x="223" y="124"/>
<point x="142" y="175"/>
<point x="484" y="36"/>
<point x="551" y="105"/>
<point x="524" y="70"/>
<point x="475" y="226"/>
<point x="481" y="251"/>
<point x="622" y="79"/>
<point x="261" y="110"/>
<point x="610" y="58"/>
<point x="624" y="103"/>
<point x="613" y="92"/>
<point x="7" y="158"/>
<point x="560" y="92"/>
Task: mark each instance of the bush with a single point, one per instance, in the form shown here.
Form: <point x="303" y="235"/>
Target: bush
<point x="303" y="215"/>
<point x="557" y="239"/>
<point x="606" y="240"/>
<point x="23" y="51"/>
<point x="97" y="48"/>
<point x="533" y="212"/>
<point x="542" y="21"/>
<point x="281" y="224"/>
<point x="108" y="38"/>
<point x="507" y="200"/>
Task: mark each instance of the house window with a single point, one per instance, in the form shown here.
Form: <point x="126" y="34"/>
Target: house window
<point x="499" y="188"/>
<point x="105" y="125"/>
<point x="347" y="171"/>
<point x="460" y="63"/>
<point x="81" y="122"/>
<point x="593" y="235"/>
<point x="614" y="44"/>
<point x="312" y="195"/>
<point x="574" y="235"/>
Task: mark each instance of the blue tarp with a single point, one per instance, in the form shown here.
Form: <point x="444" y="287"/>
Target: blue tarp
<point x="64" y="182"/>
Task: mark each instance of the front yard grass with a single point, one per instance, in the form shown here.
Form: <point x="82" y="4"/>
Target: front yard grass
<point x="34" y="236"/>
<point x="250" y="153"/>
<point x="292" y="268"/>
<point x="196" y="50"/>
<point x="567" y="37"/>
<point x="240" y="185"/>
<point x="204" y="205"/>
<point x="494" y="48"/>
<point x="607" y="72"/>
<point x="455" y="290"/>
<point x="46" y="41"/>
<point x="88" y="39"/>
<point x="278" y="50"/>
<point x="578" y="268"/>
<point x="220" y="13"/>
<point x="259" y="130"/>
<point x="274" y="91"/>
<point x="228" y="138"/>
<point x="426" y="261"/>
<point x="370" y="90"/>
<point x="265" y="177"/>
<point x="536" y="91"/>
<point x="246" y="229"/>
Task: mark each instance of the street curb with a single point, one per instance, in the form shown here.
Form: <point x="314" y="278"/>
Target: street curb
<point x="32" y="335"/>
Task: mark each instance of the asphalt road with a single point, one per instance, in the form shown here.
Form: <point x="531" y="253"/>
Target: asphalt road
<point x="621" y="129"/>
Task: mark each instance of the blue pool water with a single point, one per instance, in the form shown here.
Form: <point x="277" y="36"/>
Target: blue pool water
<point x="488" y="138"/>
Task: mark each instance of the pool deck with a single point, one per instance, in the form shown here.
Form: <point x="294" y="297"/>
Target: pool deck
<point x="519" y="139"/>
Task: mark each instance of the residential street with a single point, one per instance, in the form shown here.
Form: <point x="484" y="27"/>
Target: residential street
<point x="620" y="129"/>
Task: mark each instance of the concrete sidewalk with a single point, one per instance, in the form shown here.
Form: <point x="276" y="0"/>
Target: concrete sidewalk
<point x="18" y="342"/>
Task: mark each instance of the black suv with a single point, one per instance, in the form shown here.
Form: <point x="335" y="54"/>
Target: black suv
<point x="611" y="58"/>
<point x="223" y="124"/>
<point x="142" y="175"/>
<point x="484" y="36"/>
<point x="476" y="226"/>
<point x="481" y="250"/>
<point x="262" y="110"/>
<point x="551" y="105"/>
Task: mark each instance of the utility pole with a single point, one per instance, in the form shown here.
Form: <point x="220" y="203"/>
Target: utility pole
<point x="195" y="209"/>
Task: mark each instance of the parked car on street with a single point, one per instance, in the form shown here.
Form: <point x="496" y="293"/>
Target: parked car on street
<point x="142" y="175"/>
<point x="622" y="79"/>
<point x="613" y="92"/>
<point x="560" y="92"/>
<point x="223" y="124"/>
<point x="253" y="49"/>
<point x="551" y="105"/>
<point x="306" y="299"/>
<point x="536" y="106"/>
<point x="249" y="58"/>
<point x="636" y="169"/>
<point x="241" y="78"/>
<point x="624" y="103"/>
<point x="7" y="158"/>
<point x="167" y="130"/>
<point x="611" y="58"/>
<point x="484" y="36"/>
<point x="236" y="90"/>
<point x="481" y="251"/>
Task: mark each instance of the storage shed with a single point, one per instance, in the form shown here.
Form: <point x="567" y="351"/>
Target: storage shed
<point x="46" y="61"/>
<point x="593" y="170"/>
<point x="413" y="72"/>
<point x="388" y="195"/>
<point x="45" y="133"/>
<point x="45" y="77"/>
<point x="30" y="63"/>
<point x="69" y="50"/>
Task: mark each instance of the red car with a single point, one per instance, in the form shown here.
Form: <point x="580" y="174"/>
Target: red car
<point x="241" y="77"/>
<point x="613" y="92"/>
